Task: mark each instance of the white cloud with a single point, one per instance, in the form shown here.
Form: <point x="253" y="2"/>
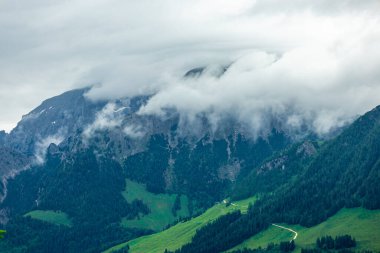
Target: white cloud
<point x="108" y="118"/>
<point x="317" y="59"/>
<point x="43" y="144"/>
<point x="321" y="87"/>
<point x="134" y="131"/>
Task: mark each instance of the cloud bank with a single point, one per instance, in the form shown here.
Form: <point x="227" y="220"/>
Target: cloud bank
<point x="108" y="118"/>
<point x="313" y="61"/>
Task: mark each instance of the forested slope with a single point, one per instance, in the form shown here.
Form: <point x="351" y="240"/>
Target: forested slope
<point x="345" y="173"/>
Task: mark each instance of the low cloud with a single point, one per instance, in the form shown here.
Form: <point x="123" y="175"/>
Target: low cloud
<point x="134" y="131"/>
<point x="321" y="88"/>
<point x="108" y="118"/>
<point x="306" y="63"/>
<point x="43" y="144"/>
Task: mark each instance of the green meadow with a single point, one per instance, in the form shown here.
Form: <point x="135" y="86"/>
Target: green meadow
<point x="181" y="233"/>
<point x="361" y="223"/>
<point x="54" y="217"/>
<point x="160" y="206"/>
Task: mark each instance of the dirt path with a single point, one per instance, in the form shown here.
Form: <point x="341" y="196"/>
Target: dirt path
<point x="291" y="230"/>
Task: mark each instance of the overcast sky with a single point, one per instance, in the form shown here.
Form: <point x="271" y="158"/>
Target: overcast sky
<point x="319" y="59"/>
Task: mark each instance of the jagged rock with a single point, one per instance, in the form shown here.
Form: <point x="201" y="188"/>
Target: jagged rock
<point x="306" y="149"/>
<point x="277" y="163"/>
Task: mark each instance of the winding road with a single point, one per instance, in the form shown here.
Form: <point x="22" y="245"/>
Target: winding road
<point x="291" y="230"/>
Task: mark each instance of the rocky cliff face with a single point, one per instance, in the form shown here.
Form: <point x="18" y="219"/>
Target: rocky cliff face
<point x="57" y="116"/>
<point x="3" y="135"/>
<point x="159" y="151"/>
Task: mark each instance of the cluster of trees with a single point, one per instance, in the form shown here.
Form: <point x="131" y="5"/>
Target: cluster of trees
<point x="177" y="205"/>
<point x="225" y="231"/>
<point x="208" y="231"/>
<point x="316" y="250"/>
<point x="250" y="251"/>
<point x="122" y="250"/>
<point x="283" y="247"/>
<point x="287" y="246"/>
<point x="340" y="242"/>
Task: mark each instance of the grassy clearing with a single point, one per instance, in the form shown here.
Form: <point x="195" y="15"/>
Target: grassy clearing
<point x="160" y="206"/>
<point x="362" y="224"/>
<point x="180" y="234"/>
<point x="54" y="217"/>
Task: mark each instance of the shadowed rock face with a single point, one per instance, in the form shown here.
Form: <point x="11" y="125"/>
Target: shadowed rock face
<point x="62" y="114"/>
<point x="196" y="72"/>
<point x="3" y="135"/>
<point x="11" y="160"/>
<point x="58" y="115"/>
<point x="11" y="163"/>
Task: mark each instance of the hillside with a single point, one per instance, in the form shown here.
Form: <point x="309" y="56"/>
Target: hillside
<point x="181" y="233"/>
<point x="345" y="173"/>
<point x="71" y="151"/>
<point x="361" y="223"/>
<point x="152" y="181"/>
<point x="164" y="209"/>
<point x="196" y="126"/>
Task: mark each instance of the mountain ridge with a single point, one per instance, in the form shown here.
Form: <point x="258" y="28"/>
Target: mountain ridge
<point x="111" y="142"/>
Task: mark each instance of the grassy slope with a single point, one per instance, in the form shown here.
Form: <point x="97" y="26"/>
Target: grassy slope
<point x="180" y="234"/>
<point x="362" y="224"/>
<point x="160" y="206"/>
<point x="54" y="217"/>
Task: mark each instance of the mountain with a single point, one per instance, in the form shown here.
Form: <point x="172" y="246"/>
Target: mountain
<point x="54" y="119"/>
<point x="3" y="135"/>
<point x="60" y="115"/>
<point x="344" y="174"/>
<point x="83" y="176"/>
<point x="74" y="157"/>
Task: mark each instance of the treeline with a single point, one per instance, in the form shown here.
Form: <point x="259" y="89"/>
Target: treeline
<point x="33" y="236"/>
<point x="340" y="242"/>
<point x="177" y="205"/>
<point x="316" y="250"/>
<point x="221" y="232"/>
<point x="122" y="250"/>
<point x="283" y="247"/>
